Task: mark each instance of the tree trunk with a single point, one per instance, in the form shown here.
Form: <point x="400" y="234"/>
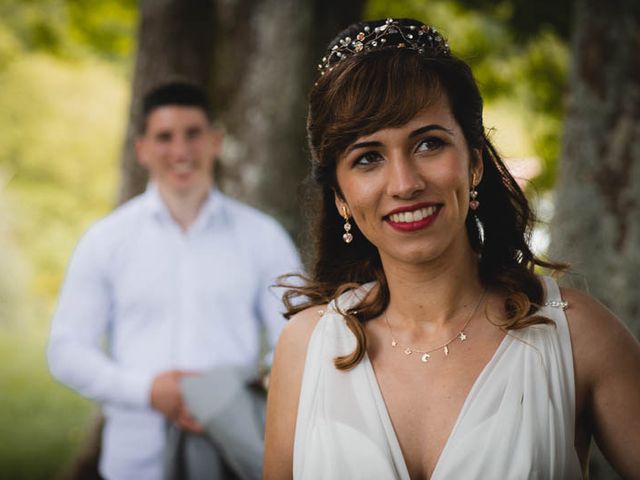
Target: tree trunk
<point x="259" y="89"/>
<point x="265" y="65"/>
<point x="596" y="227"/>
<point x="175" y="40"/>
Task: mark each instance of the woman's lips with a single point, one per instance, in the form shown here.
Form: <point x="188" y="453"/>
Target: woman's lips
<point x="416" y="218"/>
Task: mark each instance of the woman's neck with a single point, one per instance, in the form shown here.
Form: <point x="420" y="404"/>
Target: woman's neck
<point x="433" y="294"/>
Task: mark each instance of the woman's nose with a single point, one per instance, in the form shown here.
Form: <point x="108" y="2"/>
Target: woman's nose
<point x="404" y="179"/>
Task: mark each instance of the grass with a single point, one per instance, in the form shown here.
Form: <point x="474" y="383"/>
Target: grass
<point x="41" y="422"/>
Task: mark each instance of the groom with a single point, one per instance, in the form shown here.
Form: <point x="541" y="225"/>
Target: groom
<point x="173" y="283"/>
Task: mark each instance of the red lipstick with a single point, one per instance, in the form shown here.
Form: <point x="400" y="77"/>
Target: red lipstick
<point x="427" y="210"/>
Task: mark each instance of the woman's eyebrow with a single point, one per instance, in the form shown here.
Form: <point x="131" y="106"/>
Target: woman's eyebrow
<point x="427" y="128"/>
<point x="415" y="133"/>
<point x="355" y="146"/>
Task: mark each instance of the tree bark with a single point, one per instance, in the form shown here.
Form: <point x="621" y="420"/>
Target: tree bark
<point x="265" y="65"/>
<point x="597" y="205"/>
<point x="259" y="90"/>
<point x="175" y="40"/>
<point x="595" y="227"/>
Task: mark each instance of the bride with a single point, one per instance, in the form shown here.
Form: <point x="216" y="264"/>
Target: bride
<point x="424" y="344"/>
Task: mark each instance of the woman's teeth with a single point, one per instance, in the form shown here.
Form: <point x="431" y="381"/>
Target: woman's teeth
<point x="414" y="216"/>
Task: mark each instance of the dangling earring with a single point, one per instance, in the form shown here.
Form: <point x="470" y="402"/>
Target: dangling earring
<point x="473" y="194"/>
<point x="480" y="228"/>
<point x="347" y="237"/>
<point x="474" y="203"/>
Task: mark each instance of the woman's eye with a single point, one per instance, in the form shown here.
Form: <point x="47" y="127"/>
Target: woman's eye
<point x="429" y="144"/>
<point x="368" y="158"/>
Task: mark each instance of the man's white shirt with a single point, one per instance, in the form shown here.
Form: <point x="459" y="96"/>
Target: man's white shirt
<point x="163" y="299"/>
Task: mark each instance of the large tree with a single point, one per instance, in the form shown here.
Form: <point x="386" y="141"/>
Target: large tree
<point x="596" y="226"/>
<point x="597" y="206"/>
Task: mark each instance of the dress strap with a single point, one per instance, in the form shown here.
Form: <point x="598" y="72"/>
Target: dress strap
<point x="554" y="308"/>
<point x="553" y="298"/>
<point x="350" y="298"/>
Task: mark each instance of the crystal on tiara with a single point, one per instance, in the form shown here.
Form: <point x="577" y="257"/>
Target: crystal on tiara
<point x="426" y="41"/>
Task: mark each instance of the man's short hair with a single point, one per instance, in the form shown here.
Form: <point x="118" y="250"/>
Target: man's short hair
<point x="178" y="93"/>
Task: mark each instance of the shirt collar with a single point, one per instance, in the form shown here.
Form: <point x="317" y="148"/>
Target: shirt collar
<point x="211" y="208"/>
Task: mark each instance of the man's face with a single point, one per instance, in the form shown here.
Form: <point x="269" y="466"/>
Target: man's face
<point x="178" y="148"/>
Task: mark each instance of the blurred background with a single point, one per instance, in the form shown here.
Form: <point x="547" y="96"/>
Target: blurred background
<point x="561" y="81"/>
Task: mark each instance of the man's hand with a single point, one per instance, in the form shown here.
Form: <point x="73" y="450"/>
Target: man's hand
<point x="166" y="397"/>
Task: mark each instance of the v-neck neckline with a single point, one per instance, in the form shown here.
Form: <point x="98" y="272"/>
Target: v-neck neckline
<point x="392" y="437"/>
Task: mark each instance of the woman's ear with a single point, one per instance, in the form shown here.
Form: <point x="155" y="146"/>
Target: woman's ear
<point x="341" y="206"/>
<point x="477" y="167"/>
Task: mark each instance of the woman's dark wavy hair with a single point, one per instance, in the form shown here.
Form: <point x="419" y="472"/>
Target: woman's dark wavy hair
<point x="387" y="88"/>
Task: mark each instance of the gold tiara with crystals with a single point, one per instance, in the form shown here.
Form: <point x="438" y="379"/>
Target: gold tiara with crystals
<point x="390" y="34"/>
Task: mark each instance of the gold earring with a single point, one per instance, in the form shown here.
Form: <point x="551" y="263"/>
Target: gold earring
<point x="473" y="194"/>
<point x="347" y="237"/>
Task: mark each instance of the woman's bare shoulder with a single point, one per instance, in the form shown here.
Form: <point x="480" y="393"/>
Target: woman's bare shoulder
<point x="300" y="327"/>
<point x="598" y="337"/>
<point x="588" y="317"/>
<point x="606" y="360"/>
<point x="284" y="391"/>
<point x="291" y="349"/>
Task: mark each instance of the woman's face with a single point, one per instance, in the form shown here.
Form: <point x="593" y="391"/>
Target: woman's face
<point x="407" y="188"/>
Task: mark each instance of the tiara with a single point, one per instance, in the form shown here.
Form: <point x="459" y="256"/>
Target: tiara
<point x="391" y="34"/>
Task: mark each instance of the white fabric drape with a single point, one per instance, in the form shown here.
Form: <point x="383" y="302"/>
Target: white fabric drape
<point x="516" y="423"/>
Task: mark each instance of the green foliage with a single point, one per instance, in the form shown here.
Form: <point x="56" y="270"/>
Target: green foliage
<point x="62" y="117"/>
<point x="70" y="28"/>
<point x="528" y="18"/>
<point x="62" y="114"/>
<point x="13" y="275"/>
<point x="35" y="24"/>
<point x="541" y="84"/>
<point x="105" y="25"/>
<point x="41" y="423"/>
<point x="60" y="136"/>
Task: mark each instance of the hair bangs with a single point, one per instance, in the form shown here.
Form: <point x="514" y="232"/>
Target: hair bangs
<point x="379" y="91"/>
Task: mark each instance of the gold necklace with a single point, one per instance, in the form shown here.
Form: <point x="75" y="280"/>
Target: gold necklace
<point x="426" y="354"/>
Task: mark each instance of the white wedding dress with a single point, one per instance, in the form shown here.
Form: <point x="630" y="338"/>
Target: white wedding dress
<point x="516" y="423"/>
